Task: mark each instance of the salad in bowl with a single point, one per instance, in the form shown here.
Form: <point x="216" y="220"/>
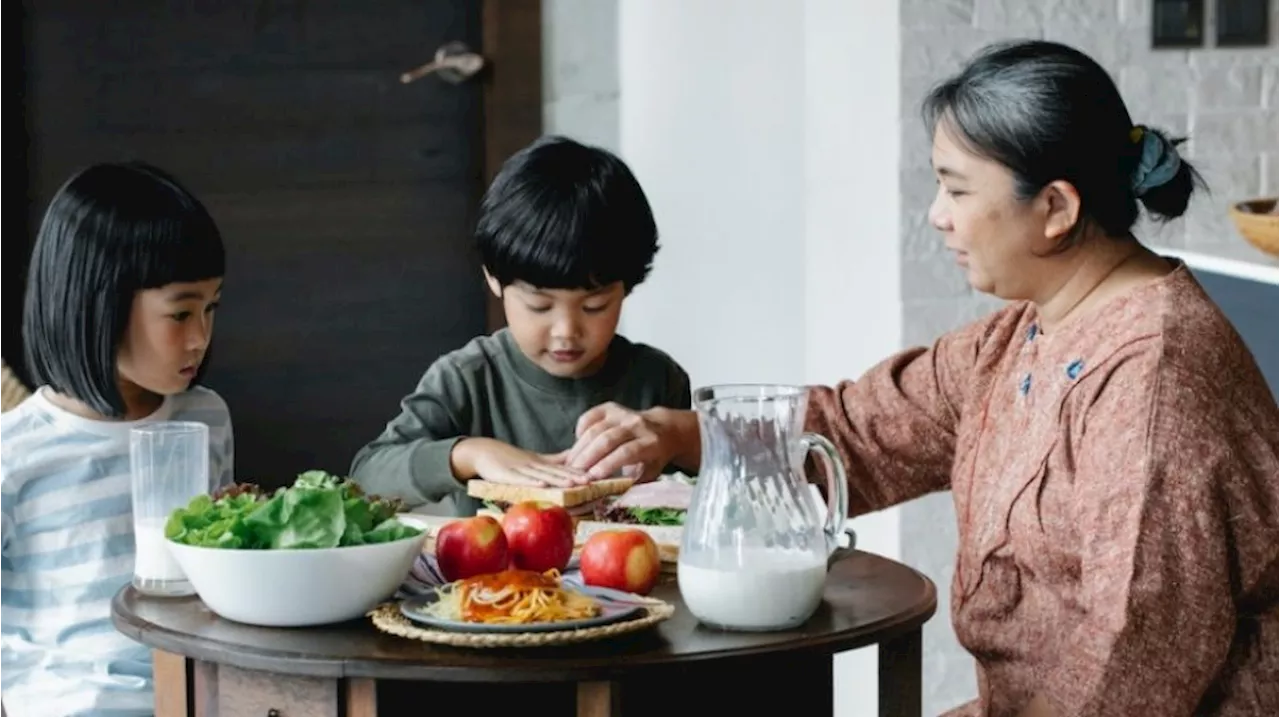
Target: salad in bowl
<point x="316" y="552"/>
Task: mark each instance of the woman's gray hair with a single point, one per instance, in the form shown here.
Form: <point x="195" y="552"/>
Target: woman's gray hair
<point x="1048" y="112"/>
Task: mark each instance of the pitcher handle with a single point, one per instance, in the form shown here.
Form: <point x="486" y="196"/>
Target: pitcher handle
<point x="837" y="486"/>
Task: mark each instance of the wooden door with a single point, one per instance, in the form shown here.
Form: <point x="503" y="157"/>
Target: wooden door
<point x="345" y="197"/>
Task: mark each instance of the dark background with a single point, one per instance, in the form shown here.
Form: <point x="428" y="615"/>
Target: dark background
<point x="345" y="198"/>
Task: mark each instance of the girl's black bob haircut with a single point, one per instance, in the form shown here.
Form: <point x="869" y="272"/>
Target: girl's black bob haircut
<point x="563" y="215"/>
<point x="110" y="231"/>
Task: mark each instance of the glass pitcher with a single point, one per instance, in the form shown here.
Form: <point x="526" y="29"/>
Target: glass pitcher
<point x="757" y="541"/>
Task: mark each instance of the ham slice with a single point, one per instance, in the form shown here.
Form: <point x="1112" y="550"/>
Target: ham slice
<point x="657" y="494"/>
<point x="588" y="508"/>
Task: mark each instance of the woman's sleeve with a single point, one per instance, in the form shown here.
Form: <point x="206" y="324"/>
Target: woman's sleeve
<point x="895" y="426"/>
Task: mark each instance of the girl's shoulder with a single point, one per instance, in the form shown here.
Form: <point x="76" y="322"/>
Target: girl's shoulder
<point x="38" y="438"/>
<point x="33" y="421"/>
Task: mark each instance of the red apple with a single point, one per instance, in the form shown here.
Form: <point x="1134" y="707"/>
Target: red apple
<point x="471" y="546"/>
<point x="539" y="536"/>
<point x="621" y="559"/>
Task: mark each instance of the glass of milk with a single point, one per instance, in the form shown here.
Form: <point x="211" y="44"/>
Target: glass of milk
<point x="756" y="545"/>
<point x="170" y="465"/>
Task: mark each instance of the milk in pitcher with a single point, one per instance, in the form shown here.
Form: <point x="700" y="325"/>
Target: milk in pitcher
<point x="769" y="590"/>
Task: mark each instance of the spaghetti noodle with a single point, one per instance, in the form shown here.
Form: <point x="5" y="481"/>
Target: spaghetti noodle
<point x="512" y="597"/>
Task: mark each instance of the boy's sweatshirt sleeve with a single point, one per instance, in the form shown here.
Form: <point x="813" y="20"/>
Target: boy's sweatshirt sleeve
<point x="681" y="392"/>
<point x="410" y="460"/>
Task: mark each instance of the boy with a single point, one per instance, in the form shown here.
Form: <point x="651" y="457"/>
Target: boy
<point x="565" y="234"/>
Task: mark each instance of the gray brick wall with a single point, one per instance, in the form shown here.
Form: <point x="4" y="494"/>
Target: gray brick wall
<point x="1225" y="99"/>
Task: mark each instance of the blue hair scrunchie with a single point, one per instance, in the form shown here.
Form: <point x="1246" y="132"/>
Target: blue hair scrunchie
<point x="1158" y="163"/>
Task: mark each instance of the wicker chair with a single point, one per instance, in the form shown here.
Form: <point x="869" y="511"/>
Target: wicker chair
<point x="12" y="390"/>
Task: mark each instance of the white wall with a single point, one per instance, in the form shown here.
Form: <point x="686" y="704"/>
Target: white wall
<point x="765" y="135"/>
<point x="580" y="70"/>
<point x="711" y="119"/>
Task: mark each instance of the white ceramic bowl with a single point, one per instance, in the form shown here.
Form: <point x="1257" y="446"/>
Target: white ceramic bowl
<point x="295" y="588"/>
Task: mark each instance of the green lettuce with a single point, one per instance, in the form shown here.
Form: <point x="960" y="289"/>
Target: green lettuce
<point x="318" y="511"/>
<point x="658" y="516"/>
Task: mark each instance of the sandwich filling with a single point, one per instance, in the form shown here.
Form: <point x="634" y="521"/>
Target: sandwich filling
<point x="662" y="502"/>
<point x="580" y="501"/>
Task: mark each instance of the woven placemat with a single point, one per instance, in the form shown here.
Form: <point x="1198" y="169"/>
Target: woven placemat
<point x="388" y="618"/>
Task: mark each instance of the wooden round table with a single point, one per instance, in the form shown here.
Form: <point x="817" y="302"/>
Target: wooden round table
<point x="206" y="666"/>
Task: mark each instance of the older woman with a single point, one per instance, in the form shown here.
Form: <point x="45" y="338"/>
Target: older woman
<point x="1110" y="444"/>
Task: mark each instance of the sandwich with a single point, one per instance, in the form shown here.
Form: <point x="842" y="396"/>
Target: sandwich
<point x="581" y="501"/>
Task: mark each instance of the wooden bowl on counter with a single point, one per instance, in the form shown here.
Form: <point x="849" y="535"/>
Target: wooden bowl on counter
<point x="1256" y="221"/>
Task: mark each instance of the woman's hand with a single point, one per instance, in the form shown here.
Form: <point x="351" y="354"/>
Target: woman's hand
<point x="500" y="462"/>
<point x="613" y="439"/>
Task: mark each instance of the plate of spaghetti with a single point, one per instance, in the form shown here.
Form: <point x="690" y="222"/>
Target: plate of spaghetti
<point x="513" y="601"/>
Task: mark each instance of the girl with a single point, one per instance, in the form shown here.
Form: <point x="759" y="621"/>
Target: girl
<point x="125" y="276"/>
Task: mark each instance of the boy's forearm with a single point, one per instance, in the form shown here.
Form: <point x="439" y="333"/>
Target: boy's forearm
<point x="412" y="459"/>
<point x="418" y="471"/>
<point x="464" y="456"/>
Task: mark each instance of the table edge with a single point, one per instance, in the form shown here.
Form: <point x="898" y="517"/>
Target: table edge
<point x="210" y="650"/>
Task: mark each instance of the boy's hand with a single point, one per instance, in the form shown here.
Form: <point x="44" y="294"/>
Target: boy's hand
<point x="500" y="462"/>
<point x="613" y="439"/>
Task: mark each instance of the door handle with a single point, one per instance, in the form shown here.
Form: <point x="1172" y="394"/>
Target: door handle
<point x="454" y="62"/>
